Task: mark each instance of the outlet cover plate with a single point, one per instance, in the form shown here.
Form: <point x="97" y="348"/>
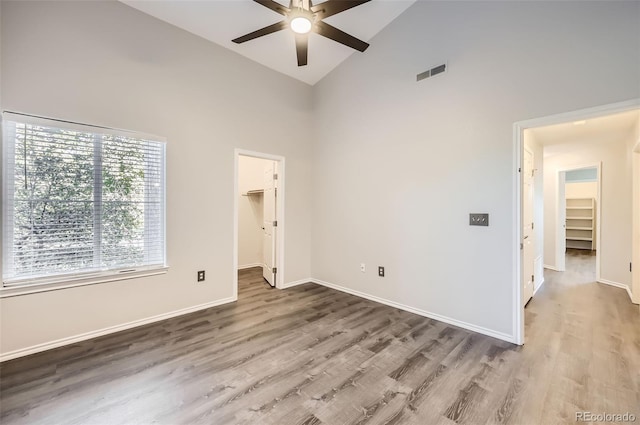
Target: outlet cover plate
<point x="478" y="219"/>
<point x="201" y="276"/>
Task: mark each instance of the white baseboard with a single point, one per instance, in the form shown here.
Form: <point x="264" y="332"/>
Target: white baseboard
<point x="535" y="290"/>
<point x="296" y="283"/>
<point x="111" y="329"/>
<point x="546" y="266"/>
<point x="445" y="319"/>
<point x="617" y="285"/>
<point x="250" y="266"/>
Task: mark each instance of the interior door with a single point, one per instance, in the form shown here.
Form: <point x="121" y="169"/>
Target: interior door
<point x="269" y="239"/>
<point x="528" y="234"/>
<point x="561" y="243"/>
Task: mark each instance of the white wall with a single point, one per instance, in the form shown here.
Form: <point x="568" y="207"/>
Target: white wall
<point x="107" y="64"/>
<point x="634" y="149"/>
<point x="250" y="211"/>
<point x="399" y="164"/>
<point x="581" y="190"/>
<point x="532" y="144"/>
<point x="615" y="201"/>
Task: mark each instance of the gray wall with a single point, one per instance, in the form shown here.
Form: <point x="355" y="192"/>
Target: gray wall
<point x="399" y="165"/>
<point x="107" y="64"/>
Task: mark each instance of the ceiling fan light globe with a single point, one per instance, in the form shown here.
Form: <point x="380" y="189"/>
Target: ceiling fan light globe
<point x="300" y="25"/>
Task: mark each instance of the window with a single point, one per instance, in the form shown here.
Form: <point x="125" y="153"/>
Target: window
<point x="79" y="201"/>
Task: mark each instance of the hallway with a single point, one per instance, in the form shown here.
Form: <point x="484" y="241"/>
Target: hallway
<point x="582" y="345"/>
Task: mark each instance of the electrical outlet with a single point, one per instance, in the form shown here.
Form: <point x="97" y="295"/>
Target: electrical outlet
<point x="380" y="271"/>
<point x="362" y="267"/>
<point x="201" y="276"/>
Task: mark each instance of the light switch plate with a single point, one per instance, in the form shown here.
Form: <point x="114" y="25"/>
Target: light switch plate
<point x="478" y="219"/>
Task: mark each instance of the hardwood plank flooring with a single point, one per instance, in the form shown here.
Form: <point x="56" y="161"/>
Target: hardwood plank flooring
<point x="310" y="355"/>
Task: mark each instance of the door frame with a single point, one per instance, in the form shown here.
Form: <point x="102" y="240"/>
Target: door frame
<point x="280" y="214"/>
<point x="635" y="241"/>
<point x="518" y="141"/>
<point x="560" y="233"/>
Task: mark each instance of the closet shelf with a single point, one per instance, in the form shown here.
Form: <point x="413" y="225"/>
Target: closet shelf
<point x="253" y="192"/>
<point x="580" y="231"/>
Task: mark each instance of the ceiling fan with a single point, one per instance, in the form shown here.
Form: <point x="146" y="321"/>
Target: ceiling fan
<point x="303" y="17"/>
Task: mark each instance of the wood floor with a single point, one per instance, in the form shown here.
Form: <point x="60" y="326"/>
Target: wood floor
<point x="311" y="355"/>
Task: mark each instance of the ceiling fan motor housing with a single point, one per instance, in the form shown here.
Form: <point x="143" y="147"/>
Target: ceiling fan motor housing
<point x="303" y="17"/>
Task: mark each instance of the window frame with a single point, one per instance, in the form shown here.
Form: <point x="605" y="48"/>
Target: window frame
<point x="55" y="281"/>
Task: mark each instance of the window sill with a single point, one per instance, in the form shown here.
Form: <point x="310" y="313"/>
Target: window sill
<point x="33" y="288"/>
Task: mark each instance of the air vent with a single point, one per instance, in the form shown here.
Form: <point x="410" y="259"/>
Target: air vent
<point x="433" y="71"/>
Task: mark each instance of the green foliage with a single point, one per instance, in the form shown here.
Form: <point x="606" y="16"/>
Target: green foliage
<point x="123" y="196"/>
<point x="64" y="219"/>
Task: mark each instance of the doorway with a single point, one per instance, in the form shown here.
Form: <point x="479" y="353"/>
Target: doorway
<point x="578" y="214"/>
<point x="522" y="277"/>
<point x="259" y="216"/>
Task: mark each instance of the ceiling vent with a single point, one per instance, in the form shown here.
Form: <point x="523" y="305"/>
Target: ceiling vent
<point x="433" y="71"/>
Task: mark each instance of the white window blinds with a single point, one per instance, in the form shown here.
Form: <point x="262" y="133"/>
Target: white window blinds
<point x="79" y="200"/>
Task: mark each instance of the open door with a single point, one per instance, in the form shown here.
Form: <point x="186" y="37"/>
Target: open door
<point x="561" y="243"/>
<point x="528" y="234"/>
<point x="635" y="254"/>
<point x="269" y="269"/>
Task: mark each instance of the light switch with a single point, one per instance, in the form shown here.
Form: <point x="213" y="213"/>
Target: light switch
<point x="478" y="219"/>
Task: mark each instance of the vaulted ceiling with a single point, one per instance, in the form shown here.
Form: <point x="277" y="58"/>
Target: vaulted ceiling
<point x="220" y="21"/>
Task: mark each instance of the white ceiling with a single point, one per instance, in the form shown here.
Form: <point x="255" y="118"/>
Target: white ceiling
<point x="220" y="21"/>
<point x="609" y="128"/>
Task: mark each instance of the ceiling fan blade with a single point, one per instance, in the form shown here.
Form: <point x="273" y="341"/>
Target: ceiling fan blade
<point x="302" y="47"/>
<point x="274" y="5"/>
<point x="331" y="7"/>
<point x="262" y="31"/>
<point x="341" y="37"/>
